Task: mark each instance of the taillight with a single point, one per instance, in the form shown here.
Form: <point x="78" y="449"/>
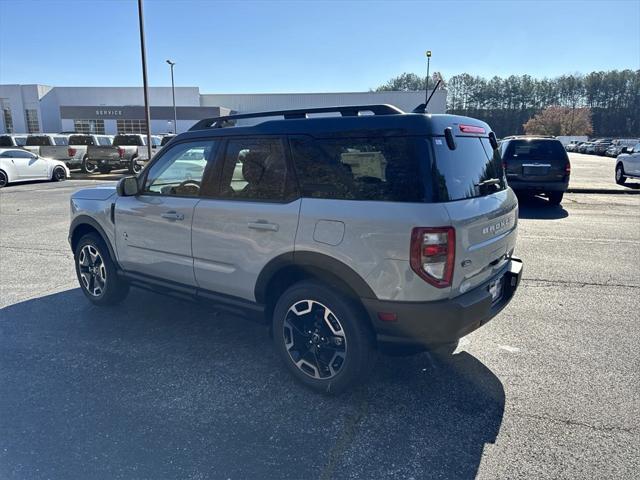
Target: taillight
<point x="433" y="252"/>
<point x="567" y="168"/>
<point x="72" y="152"/>
<point x="121" y="152"/>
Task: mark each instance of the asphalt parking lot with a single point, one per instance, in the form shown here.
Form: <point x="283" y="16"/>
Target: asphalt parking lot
<point x="157" y="388"/>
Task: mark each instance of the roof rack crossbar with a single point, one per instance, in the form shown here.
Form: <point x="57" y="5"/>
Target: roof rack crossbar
<point x="345" y="111"/>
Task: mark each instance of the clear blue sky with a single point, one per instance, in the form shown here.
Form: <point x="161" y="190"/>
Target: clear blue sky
<point x="302" y="46"/>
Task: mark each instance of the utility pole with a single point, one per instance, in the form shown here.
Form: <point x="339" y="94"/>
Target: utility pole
<point x="173" y="92"/>
<point x="147" y="110"/>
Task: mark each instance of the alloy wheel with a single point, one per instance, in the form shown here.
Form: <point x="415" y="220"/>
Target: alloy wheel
<point x="59" y="174"/>
<point x="90" y="167"/>
<point x="3" y="179"/>
<point x="93" y="272"/>
<point x="315" y="339"/>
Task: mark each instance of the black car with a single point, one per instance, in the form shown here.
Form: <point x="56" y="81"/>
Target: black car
<point x="537" y="165"/>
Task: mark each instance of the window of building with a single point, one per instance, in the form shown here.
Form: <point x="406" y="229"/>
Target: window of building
<point x="6" y="114"/>
<point x="131" y="126"/>
<point x="89" y="126"/>
<point x="33" y="125"/>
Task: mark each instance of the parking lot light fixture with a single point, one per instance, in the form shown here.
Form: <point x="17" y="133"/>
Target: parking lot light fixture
<point x="173" y="93"/>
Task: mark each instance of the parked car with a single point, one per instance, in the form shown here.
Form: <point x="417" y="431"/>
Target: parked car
<point x="584" y="146"/>
<point x="536" y="165"/>
<point x="127" y="151"/>
<point x="77" y="151"/>
<point x="572" y="145"/>
<point x="600" y="146"/>
<point x="628" y="164"/>
<point x="48" y="145"/>
<point x="614" y="150"/>
<point x="397" y="231"/>
<point x="18" y="165"/>
<point x="11" y="140"/>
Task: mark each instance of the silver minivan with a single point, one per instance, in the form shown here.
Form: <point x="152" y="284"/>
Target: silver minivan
<point x="350" y="234"/>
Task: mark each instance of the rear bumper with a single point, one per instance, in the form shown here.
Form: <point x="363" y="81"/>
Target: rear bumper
<point x="543" y="186"/>
<point x="445" y="321"/>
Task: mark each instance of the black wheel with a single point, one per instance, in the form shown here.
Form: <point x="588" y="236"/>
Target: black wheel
<point x="59" y="174"/>
<point x="96" y="272"/>
<point x="555" y="198"/>
<point x="88" y="166"/>
<point x="105" y="170"/>
<point x="4" y="180"/>
<point x="620" y="178"/>
<point x="134" y="167"/>
<point x="323" y="337"/>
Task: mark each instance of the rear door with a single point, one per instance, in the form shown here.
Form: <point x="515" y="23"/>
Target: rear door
<point x="153" y="229"/>
<point x="248" y="220"/>
<point x="535" y="160"/>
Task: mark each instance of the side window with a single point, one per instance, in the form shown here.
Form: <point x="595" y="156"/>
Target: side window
<point x="21" y="154"/>
<point x="60" y="141"/>
<point x="179" y="170"/>
<point x="386" y="169"/>
<point x="6" y="142"/>
<point x="254" y="169"/>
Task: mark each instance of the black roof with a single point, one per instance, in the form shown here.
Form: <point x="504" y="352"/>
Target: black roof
<point x="388" y="123"/>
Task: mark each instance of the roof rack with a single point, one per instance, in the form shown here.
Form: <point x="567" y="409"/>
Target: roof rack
<point x="345" y="111"/>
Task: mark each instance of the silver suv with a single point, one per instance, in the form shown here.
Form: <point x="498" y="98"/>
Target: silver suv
<point x="349" y="234"/>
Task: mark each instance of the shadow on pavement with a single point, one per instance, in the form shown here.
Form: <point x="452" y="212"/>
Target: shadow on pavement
<point x="536" y="207"/>
<point x="160" y="388"/>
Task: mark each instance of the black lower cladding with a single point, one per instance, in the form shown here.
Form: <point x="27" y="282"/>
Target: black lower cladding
<point x="538" y="186"/>
<point x="443" y="321"/>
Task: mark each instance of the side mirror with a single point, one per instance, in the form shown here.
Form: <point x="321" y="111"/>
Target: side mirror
<point x="127" y="187"/>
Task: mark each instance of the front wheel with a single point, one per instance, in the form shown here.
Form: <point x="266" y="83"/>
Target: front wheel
<point x="555" y="198"/>
<point x="4" y="180"/>
<point x="620" y="178"/>
<point x="59" y="174"/>
<point x="97" y="273"/>
<point x="322" y="337"/>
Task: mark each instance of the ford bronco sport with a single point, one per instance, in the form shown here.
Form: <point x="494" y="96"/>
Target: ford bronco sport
<point x="348" y="234"/>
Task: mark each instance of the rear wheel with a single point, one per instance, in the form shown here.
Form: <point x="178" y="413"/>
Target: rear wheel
<point x="96" y="272"/>
<point x="4" y="181"/>
<point x="134" y="166"/>
<point x="59" y="174"/>
<point x="322" y="337"/>
<point x="555" y="198"/>
<point x="620" y="178"/>
<point x="88" y="166"/>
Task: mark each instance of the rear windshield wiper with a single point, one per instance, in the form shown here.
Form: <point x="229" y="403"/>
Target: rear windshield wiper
<point x="489" y="181"/>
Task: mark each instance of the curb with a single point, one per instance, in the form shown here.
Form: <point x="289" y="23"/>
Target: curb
<point x="604" y="191"/>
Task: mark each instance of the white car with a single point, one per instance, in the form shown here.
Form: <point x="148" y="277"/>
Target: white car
<point x="628" y="164"/>
<point x="17" y="165"/>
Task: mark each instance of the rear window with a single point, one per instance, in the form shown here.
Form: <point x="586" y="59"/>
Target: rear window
<point x="104" y="141"/>
<point x="127" y="140"/>
<point x="473" y="169"/>
<point x="384" y="169"/>
<point x="81" y="140"/>
<point x="38" y="141"/>
<point x="534" y="150"/>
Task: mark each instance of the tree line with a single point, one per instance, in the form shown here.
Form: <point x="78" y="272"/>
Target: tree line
<point x="612" y="98"/>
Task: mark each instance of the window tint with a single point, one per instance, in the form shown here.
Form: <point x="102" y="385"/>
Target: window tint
<point x="179" y="171"/>
<point x="40" y="141"/>
<point x="534" y="150"/>
<point x="155" y="141"/>
<point x="254" y="169"/>
<point x="386" y="169"/>
<point x="127" y="140"/>
<point x="81" y="140"/>
<point x="20" y="141"/>
<point x="458" y="174"/>
<point x="6" y="141"/>
<point x="19" y="154"/>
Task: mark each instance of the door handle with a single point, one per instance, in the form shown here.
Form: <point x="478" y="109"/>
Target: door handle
<point x="173" y="216"/>
<point x="263" y="225"/>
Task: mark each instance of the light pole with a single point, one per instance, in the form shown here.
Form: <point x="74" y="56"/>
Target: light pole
<point x="426" y="96"/>
<point x="173" y="92"/>
<point x="143" y="51"/>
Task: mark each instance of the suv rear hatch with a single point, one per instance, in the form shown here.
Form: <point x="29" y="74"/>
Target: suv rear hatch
<point x="535" y="160"/>
<point x="482" y="209"/>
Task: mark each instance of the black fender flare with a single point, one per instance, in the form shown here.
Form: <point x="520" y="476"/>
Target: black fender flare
<point x="81" y="220"/>
<point x="317" y="262"/>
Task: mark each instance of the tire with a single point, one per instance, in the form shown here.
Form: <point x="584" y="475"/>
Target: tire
<point x="88" y="167"/>
<point x="59" y="174"/>
<point x="4" y="180"/>
<point x="96" y="272"/>
<point x="105" y="170"/>
<point x="134" y="168"/>
<point x="342" y="351"/>
<point x="620" y="178"/>
<point x="555" y="198"/>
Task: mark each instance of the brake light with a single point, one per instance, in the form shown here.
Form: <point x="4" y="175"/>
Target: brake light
<point x="567" y="168"/>
<point x="433" y="252"/>
<point x="471" y="129"/>
<point x="72" y="152"/>
<point x="121" y="152"/>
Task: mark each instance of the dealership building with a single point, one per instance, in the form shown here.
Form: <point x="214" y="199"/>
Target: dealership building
<point x="112" y="110"/>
